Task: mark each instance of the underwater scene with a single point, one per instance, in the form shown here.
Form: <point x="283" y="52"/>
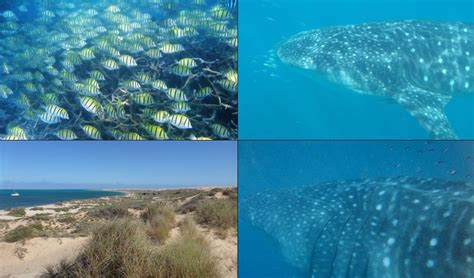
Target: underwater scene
<point x="356" y="209"/>
<point x="118" y="69"/>
<point x="357" y="69"/>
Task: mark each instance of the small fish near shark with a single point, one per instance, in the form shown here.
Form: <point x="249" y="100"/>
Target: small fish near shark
<point x="419" y="64"/>
<point x="373" y="228"/>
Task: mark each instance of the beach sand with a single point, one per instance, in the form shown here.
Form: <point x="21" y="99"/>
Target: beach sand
<point x="37" y="254"/>
<point x="30" y="257"/>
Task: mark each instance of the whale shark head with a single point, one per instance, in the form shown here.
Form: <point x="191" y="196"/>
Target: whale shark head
<point x="326" y="53"/>
<point x="305" y="50"/>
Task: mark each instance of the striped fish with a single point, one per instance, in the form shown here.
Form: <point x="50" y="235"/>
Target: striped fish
<point x="187" y="62"/>
<point x="91" y="105"/>
<point x="110" y="111"/>
<point x="231" y="4"/>
<point x="176" y="94"/>
<point x="161" y="116"/>
<point x="48" y="118"/>
<point x="11" y="137"/>
<point x="144" y="78"/>
<point x="169" y="48"/>
<point x="220" y="131"/>
<point x="180" y="121"/>
<point x="159" y="85"/>
<point x="180" y="107"/>
<point x="131" y="136"/>
<point x="18" y="132"/>
<point x="228" y="85"/>
<point x="154" y="53"/>
<point x="57" y="111"/>
<point x="220" y="13"/>
<point x="66" y="134"/>
<point x="156" y="131"/>
<point x="128" y="61"/>
<point x="143" y="99"/>
<point x="97" y="75"/>
<point x="203" y="92"/>
<point x="181" y="70"/>
<point x="110" y="64"/>
<point x="92" y="132"/>
<point x="131" y="85"/>
<point x="87" y="54"/>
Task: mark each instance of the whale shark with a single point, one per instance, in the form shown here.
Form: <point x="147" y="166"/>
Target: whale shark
<point x="381" y="227"/>
<point x="419" y="64"/>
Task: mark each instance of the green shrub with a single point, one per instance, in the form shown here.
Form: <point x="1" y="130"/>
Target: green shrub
<point x="37" y="208"/>
<point x="22" y="233"/>
<point x="67" y="219"/>
<point x="41" y="217"/>
<point x="109" y="212"/>
<point x="4" y="224"/>
<point x="217" y="213"/>
<point x="17" y="212"/>
<point x="65" y="209"/>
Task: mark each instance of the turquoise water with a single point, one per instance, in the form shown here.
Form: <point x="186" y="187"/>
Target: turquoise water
<point x="266" y="166"/>
<point x="30" y="198"/>
<point x="281" y="102"/>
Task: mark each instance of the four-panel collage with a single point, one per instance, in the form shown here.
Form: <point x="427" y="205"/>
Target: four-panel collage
<point x="130" y="147"/>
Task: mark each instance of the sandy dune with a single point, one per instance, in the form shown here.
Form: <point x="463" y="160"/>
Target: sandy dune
<point x="39" y="253"/>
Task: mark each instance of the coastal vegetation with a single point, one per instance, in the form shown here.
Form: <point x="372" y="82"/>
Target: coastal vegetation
<point x="22" y="233"/>
<point x="218" y="213"/>
<point x="146" y="233"/>
<point x="17" y="212"/>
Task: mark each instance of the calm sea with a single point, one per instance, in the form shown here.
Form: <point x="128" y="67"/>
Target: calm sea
<point x="30" y="198"/>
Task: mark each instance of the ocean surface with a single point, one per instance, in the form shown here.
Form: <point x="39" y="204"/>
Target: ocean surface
<point x="118" y="70"/>
<point x="281" y="102"/>
<point x="268" y="166"/>
<point x="30" y="198"/>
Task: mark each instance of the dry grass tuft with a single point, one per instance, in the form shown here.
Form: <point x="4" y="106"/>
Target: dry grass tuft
<point x="189" y="256"/>
<point x="218" y="213"/>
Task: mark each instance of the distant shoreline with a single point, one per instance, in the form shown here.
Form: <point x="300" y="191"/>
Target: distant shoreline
<point x="123" y="191"/>
<point x="49" y="202"/>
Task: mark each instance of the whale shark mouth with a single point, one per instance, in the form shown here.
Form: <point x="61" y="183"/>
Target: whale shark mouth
<point x="386" y="227"/>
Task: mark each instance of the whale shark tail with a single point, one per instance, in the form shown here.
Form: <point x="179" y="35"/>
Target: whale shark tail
<point x="428" y="108"/>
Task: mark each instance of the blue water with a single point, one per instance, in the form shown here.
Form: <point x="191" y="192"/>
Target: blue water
<point x="30" y="198"/>
<point x="284" y="103"/>
<point x="265" y="165"/>
<point x="35" y="26"/>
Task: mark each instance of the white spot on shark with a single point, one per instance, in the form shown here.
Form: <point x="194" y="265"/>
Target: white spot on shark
<point x="386" y="261"/>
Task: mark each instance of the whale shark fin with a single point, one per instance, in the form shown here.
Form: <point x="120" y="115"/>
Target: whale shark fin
<point x="428" y="108"/>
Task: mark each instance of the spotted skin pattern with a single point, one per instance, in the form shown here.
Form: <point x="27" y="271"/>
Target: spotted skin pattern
<point x="419" y="64"/>
<point x="385" y="227"/>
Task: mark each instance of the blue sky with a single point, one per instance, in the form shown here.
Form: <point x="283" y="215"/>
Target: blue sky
<point x="86" y="164"/>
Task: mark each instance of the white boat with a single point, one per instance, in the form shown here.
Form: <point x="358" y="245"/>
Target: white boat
<point x="15" y="194"/>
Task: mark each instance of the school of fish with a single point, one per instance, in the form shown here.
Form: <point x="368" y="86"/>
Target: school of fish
<point x="119" y="70"/>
